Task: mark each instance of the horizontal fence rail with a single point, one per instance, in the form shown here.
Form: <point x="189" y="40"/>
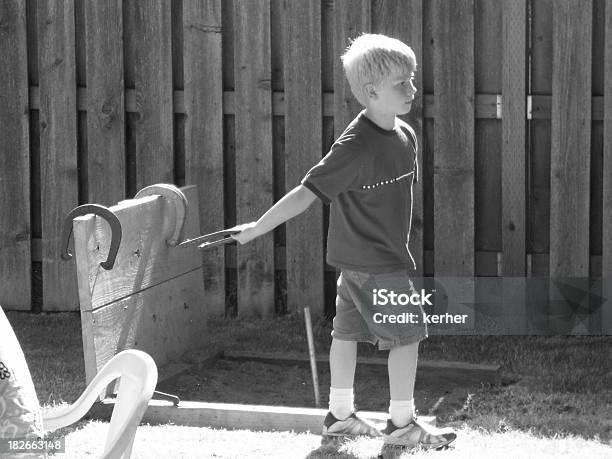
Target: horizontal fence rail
<point x="242" y="97"/>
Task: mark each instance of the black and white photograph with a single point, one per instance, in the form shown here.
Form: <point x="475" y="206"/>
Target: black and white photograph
<point x="311" y="229"/>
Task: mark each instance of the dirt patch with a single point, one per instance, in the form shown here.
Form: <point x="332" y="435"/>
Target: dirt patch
<point x="440" y="391"/>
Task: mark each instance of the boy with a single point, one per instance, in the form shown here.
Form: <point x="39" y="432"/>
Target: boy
<point x="367" y="180"/>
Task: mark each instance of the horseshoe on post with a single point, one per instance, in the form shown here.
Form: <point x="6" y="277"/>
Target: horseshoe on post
<point x="107" y="215"/>
<point x="177" y="199"/>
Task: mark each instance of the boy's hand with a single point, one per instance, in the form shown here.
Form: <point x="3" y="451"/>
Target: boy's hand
<point x="247" y="232"/>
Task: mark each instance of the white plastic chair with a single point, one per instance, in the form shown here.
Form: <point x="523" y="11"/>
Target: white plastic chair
<point x="138" y="374"/>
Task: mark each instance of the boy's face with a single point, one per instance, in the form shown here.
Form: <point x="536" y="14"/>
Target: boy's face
<point x="394" y="95"/>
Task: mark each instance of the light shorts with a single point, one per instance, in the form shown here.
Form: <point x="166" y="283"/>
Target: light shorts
<point x="357" y="314"/>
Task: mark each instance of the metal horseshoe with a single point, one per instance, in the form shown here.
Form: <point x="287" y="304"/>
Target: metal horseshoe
<point x="107" y="215"/>
<point x="177" y="199"/>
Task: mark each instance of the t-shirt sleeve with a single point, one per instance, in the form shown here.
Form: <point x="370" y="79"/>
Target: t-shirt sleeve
<point x="337" y="172"/>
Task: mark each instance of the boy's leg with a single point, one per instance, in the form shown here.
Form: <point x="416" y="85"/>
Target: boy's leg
<point x="349" y="328"/>
<point x="402" y="428"/>
<point x="342" y="362"/>
<point x="402" y="374"/>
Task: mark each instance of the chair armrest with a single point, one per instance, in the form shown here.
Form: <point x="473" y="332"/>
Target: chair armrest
<point x="138" y="374"/>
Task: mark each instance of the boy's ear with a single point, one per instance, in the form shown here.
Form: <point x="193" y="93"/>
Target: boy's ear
<point x="370" y="91"/>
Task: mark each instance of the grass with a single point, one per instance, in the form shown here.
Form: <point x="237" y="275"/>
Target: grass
<point x="556" y="401"/>
<point x="199" y="442"/>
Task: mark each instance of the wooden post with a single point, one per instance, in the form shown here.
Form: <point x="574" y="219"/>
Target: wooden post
<point x="303" y="139"/>
<point x="312" y="356"/>
<point x="15" y="228"/>
<point x="202" y="58"/>
<point x="58" y="147"/>
<point x="253" y="127"/>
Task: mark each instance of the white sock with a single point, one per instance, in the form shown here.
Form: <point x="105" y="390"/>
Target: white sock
<point x="341" y="402"/>
<point x="401" y="411"/>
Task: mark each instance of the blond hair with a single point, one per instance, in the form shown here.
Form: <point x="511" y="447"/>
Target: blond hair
<point x="371" y="58"/>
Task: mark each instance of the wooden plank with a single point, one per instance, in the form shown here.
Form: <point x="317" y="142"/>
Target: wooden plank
<point x="487" y="106"/>
<point x="571" y="143"/>
<point x="153" y="85"/>
<point x="303" y="139"/>
<point x="105" y="103"/>
<point x="514" y="153"/>
<point x="231" y="279"/>
<point x="539" y="167"/>
<point x="15" y="232"/>
<point x="606" y="253"/>
<point x="203" y="91"/>
<point x="227" y="33"/>
<point x="278" y="36"/>
<point x="597" y="141"/>
<point x="541" y="107"/>
<point x="164" y="321"/>
<point x="514" y="130"/>
<point x="236" y="416"/>
<point x="254" y="187"/>
<point x="327" y="45"/>
<point x="454" y="138"/>
<point x="488" y="47"/>
<point x="58" y="147"/>
<point x="351" y="18"/>
<point x="404" y="21"/>
<point x="143" y="260"/>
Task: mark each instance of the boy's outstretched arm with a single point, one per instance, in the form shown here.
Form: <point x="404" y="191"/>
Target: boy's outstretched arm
<point x="293" y="203"/>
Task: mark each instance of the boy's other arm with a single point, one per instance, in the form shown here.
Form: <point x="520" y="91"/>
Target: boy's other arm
<point x="293" y="203"/>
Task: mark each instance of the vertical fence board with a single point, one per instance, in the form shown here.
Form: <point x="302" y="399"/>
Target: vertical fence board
<point x="58" y="147"/>
<point x="488" y="60"/>
<point x="15" y="230"/>
<point x="427" y="144"/>
<point x="327" y="45"/>
<point x="606" y="267"/>
<point x="303" y="138"/>
<point x="105" y="103"/>
<point x="596" y="211"/>
<point x="514" y="134"/>
<point x="538" y="223"/>
<point x="454" y="138"/>
<point x="404" y="21"/>
<point x="571" y="139"/>
<point x="514" y="129"/>
<point x="203" y="86"/>
<point x="278" y="45"/>
<point x="351" y="18"/>
<point x="570" y="148"/>
<point x="153" y="84"/>
<point x="253" y="121"/>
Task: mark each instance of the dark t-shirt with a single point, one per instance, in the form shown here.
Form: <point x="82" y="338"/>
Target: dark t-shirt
<point x="367" y="179"/>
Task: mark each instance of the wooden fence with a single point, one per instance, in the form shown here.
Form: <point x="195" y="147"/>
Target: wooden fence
<point x="101" y="98"/>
